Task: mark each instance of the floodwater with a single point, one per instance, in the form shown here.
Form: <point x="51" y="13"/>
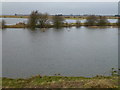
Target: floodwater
<point x="68" y="51"/>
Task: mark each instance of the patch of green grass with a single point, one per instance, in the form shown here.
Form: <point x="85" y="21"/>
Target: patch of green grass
<point x="61" y="82"/>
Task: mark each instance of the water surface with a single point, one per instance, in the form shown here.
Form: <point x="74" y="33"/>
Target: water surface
<point x="68" y="51"/>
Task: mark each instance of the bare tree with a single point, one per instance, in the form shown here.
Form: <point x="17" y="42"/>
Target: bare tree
<point x="43" y="20"/>
<point x="118" y="22"/>
<point x="78" y="23"/>
<point x="3" y="24"/>
<point x="102" y="21"/>
<point x="58" y="21"/>
<point x="91" y="20"/>
<point x="33" y="19"/>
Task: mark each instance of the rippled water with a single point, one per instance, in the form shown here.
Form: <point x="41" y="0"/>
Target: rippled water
<point x="68" y="51"/>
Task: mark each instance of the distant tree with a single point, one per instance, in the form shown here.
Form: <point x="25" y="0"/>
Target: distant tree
<point x="78" y="23"/>
<point x="33" y="19"/>
<point x="102" y="21"/>
<point x="66" y="24"/>
<point x="3" y="24"/>
<point x="43" y="20"/>
<point x="118" y="22"/>
<point x="58" y="21"/>
<point x="91" y="20"/>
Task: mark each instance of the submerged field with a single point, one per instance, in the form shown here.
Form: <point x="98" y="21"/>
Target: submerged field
<point x="61" y="82"/>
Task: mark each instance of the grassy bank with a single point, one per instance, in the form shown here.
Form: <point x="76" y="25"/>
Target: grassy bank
<point x="61" y="82"/>
<point x="15" y="26"/>
<point x="66" y="17"/>
<point x="13" y="16"/>
<point x="65" y="25"/>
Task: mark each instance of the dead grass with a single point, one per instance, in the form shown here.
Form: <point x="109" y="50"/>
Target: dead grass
<point x="61" y="82"/>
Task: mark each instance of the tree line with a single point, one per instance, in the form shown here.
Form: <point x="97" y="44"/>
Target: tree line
<point x="40" y="20"/>
<point x="44" y="20"/>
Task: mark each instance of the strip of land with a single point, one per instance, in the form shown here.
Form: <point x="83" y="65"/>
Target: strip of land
<point x="66" y="17"/>
<point x="65" y="25"/>
<point x="102" y="23"/>
<point x="61" y="82"/>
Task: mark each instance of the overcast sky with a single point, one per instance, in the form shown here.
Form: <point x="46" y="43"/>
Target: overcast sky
<point x="79" y="8"/>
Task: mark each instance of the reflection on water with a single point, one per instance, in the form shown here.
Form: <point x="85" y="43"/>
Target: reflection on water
<point x="68" y="51"/>
<point x="84" y="20"/>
